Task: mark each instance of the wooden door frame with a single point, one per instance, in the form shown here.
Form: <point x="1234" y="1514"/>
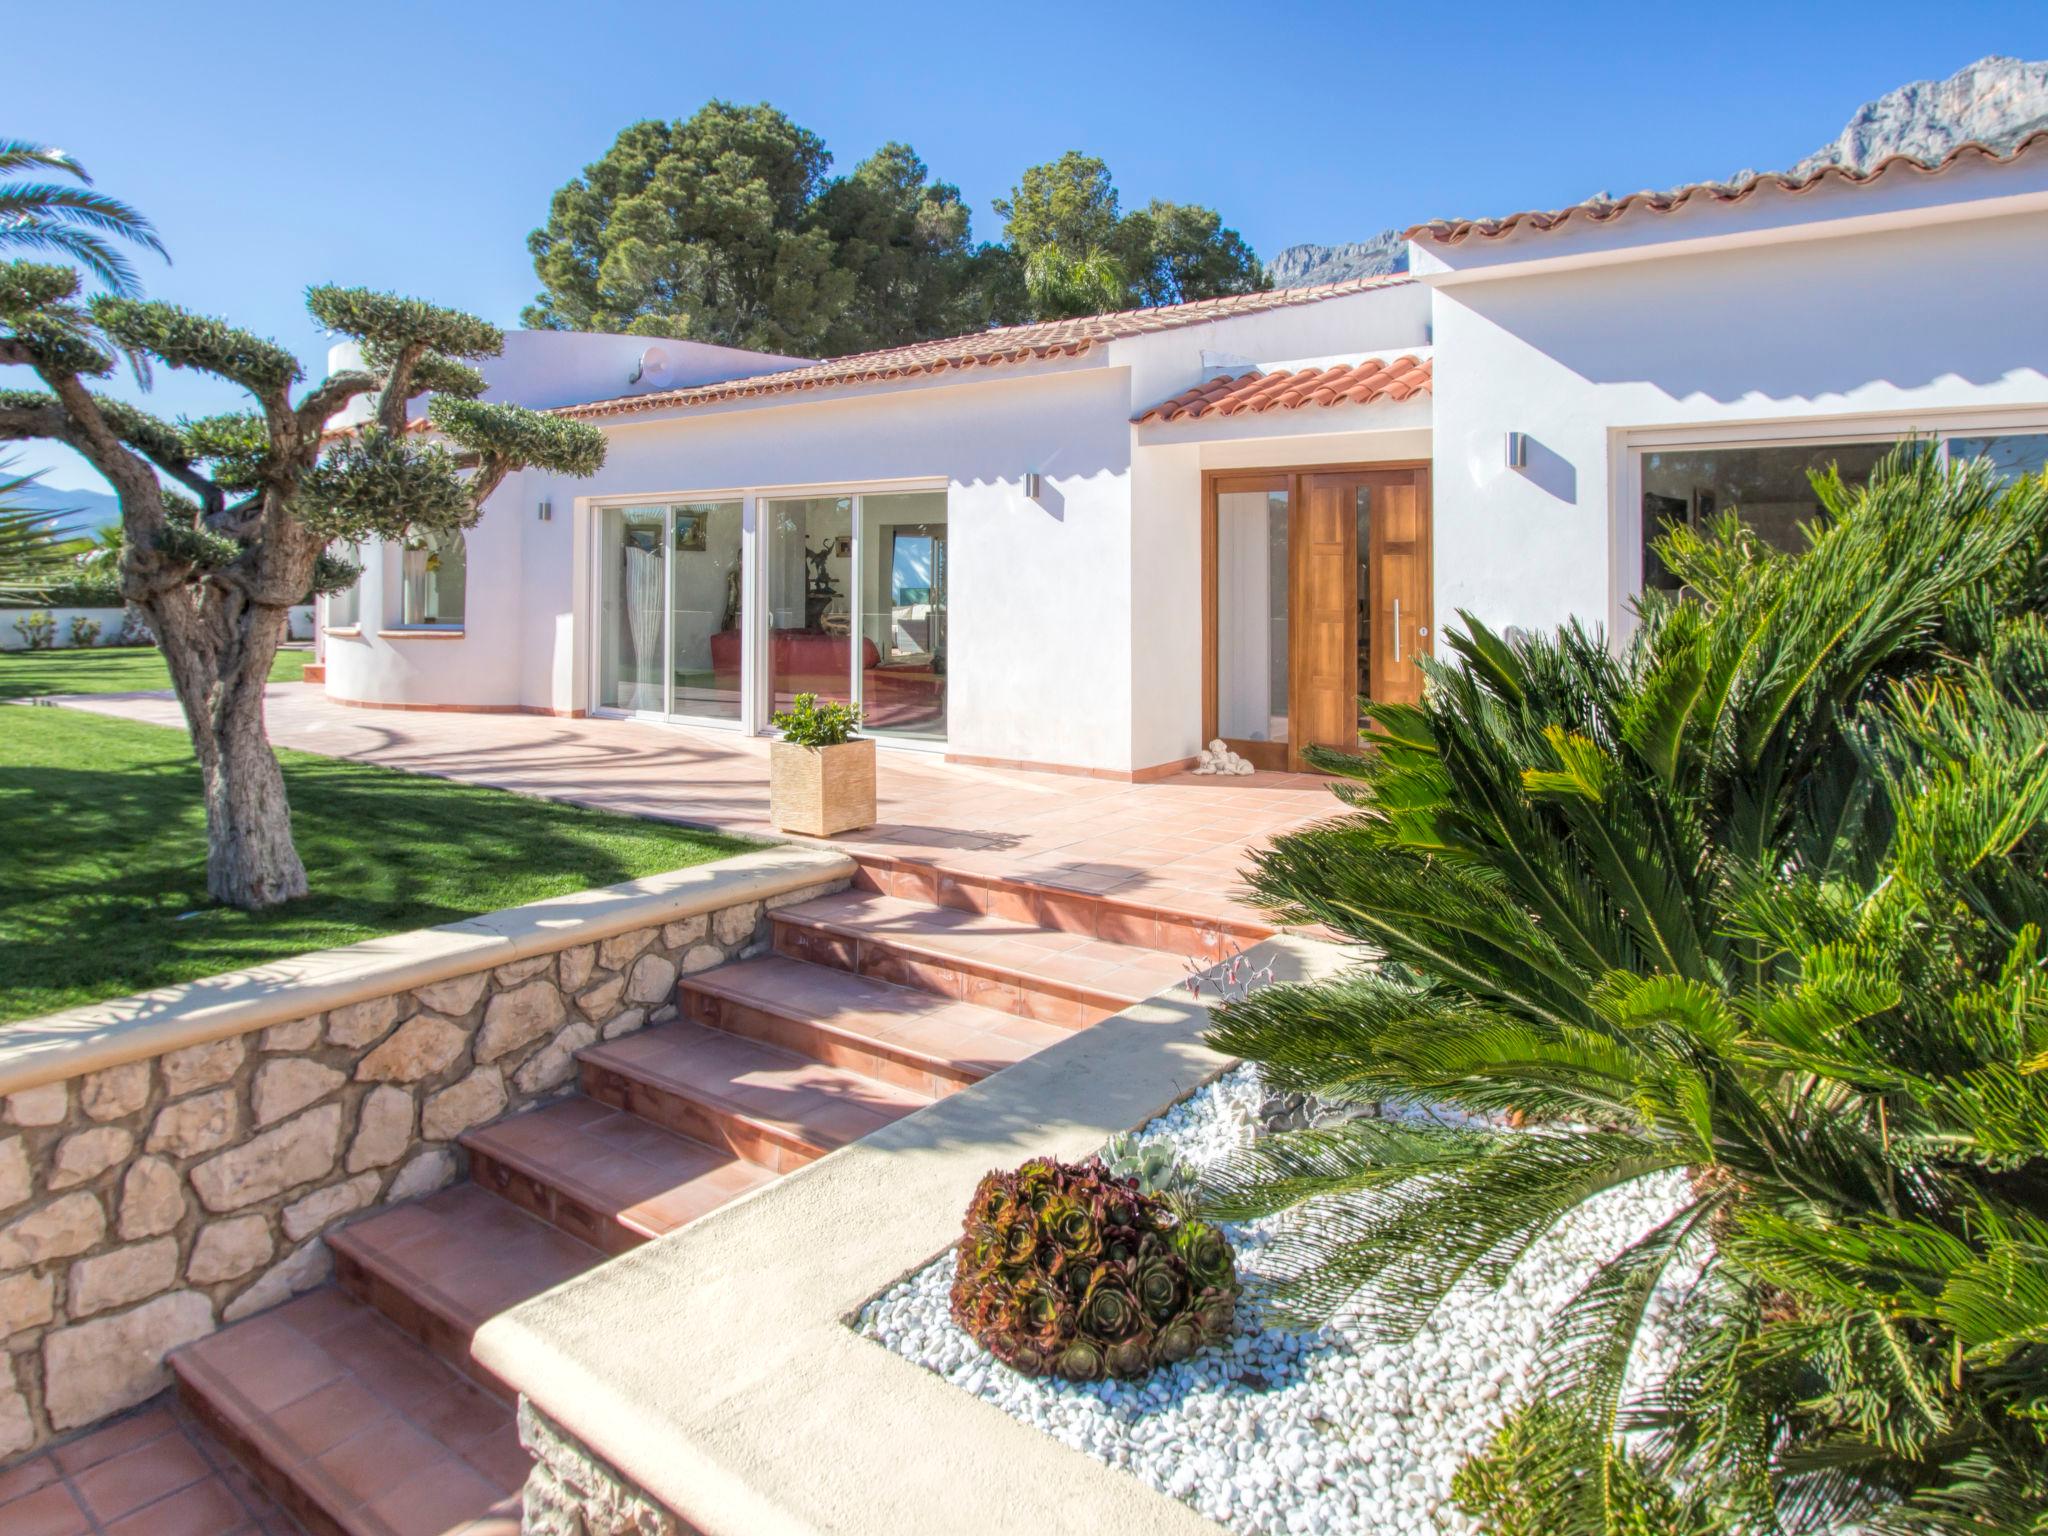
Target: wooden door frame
<point x="1270" y="754"/>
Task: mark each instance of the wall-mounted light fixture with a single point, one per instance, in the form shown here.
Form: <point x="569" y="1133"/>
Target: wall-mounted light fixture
<point x="547" y="511"/>
<point x="1518" y="450"/>
<point x="1033" y="483"/>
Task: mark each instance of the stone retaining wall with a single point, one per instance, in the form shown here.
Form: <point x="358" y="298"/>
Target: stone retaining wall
<point x="147" y="1203"/>
<point x="572" y="1491"/>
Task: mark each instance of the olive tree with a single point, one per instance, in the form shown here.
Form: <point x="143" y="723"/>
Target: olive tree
<point x="227" y="520"/>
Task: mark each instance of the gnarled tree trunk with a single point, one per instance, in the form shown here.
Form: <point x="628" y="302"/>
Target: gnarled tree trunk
<point x="220" y="673"/>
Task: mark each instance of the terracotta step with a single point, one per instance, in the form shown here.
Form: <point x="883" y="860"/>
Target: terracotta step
<point x="356" y="1429"/>
<point x="441" y="1267"/>
<point x="1004" y="963"/>
<point x="1041" y="900"/>
<point x="612" y="1179"/>
<point x="930" y="1045"/>
<point x="770" y="1106"/>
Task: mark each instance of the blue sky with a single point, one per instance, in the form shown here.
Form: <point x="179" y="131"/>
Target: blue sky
<point x="412" y="145"/>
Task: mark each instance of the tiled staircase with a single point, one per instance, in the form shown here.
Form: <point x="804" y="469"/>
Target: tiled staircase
<point x="358" y="1405"/>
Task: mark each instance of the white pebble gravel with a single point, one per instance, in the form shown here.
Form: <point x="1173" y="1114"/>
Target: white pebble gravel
<point x="1324" y="1431"/>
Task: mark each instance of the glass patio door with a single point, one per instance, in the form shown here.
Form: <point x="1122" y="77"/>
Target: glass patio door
<point x="857" y="607"/>
<point x="673" y="610"/>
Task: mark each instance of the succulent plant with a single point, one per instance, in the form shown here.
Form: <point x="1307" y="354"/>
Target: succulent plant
<point x="1151" y="1163"/>
<point x="1072" y="1270"/>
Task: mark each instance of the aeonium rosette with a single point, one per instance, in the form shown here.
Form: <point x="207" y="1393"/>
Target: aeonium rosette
<point x="1063" y="1268"/>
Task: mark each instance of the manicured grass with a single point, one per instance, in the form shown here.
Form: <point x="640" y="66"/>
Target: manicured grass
<point x="103" y="857"/>
<point x="113" y="669"/>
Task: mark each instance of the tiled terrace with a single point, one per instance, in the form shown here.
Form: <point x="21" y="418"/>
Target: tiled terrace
<point x="1178" y="844"/>
<point x="147" y="1474"/>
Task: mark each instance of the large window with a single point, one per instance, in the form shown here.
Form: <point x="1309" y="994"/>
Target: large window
<point x="1769" y="484"/>
<point x="436" y="578"/>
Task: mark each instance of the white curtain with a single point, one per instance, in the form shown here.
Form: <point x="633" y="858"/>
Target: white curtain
<point x="643" y="625"/>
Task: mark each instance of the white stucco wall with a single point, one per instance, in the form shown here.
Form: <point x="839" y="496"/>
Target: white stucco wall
<point x="1075" y="620"/>
<point x="1917" y="328"/>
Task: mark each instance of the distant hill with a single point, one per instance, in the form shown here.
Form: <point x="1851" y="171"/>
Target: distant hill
<point x="83" y="512"/>
<point x="1996" y="101"/>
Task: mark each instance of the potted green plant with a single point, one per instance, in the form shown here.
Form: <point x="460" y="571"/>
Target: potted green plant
<point x="821" y="780"/>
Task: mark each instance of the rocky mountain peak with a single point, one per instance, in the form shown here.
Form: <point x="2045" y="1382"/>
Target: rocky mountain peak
<point x="1996" y="101"/>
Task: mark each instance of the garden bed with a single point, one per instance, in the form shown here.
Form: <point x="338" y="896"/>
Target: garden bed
<point x="1286" y="1431"/>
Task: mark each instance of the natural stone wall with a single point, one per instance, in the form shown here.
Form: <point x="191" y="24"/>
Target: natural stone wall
<point x="571" y="1491"/>
<point x="146" y="1204"/>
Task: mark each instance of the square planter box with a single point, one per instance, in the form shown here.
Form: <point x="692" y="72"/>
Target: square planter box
<point x="821" y="790"/>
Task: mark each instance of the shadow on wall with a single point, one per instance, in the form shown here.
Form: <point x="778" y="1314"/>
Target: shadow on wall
<point x="1549" y="470"/>
<point x="1795" y="323"/>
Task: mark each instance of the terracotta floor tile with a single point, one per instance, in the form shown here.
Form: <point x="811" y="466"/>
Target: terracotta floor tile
<point x="20" y="1481"/>
<point x="204" y="1509"/>
<point x="49" y="1511"/>
<point x="953" y="814"/>
<point x="438" y="1499"/>
<point x="111" y="1440"/>
<point x="322" y="1419"/>
<point x="126" y="1482"/>
<point x="370" y="1462"/>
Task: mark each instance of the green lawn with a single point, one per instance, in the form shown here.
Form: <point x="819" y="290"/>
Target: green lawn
<point x="114" y="669"/>
<point x="103" y="857"/>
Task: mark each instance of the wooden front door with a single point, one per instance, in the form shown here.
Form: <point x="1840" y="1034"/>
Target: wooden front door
<point x="1319" y="598"/>
<point x="1325" y="617"/>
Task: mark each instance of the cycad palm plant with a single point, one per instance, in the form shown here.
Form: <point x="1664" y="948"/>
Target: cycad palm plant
<point x="1659" y="901"/>
<point x="67" y="218"/>
<point x="36" y="550"/>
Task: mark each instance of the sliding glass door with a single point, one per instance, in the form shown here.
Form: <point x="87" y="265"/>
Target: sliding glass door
<point x="672" y="610"/>
<point x="852" y="599"/>
<point x="903" y="613"/>
<point x="857" y="606"/>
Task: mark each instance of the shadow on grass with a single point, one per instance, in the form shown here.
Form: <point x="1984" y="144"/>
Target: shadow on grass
<point x="103" y="859"/>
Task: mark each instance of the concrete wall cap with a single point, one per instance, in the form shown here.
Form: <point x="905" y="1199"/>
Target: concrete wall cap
<point x="99" y="1035"/>
<point x="715" y="1368"/>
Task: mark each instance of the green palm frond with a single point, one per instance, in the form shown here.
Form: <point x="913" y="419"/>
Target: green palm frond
<point x="67" y="220"/>
<point x="1761" y="896"/>
<point x="1404" y="1213"/>
<point x="36" y="552"/>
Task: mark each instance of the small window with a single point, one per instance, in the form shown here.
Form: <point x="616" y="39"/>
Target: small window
<point x="345" y="608"/>
<point x="435" y="576"/>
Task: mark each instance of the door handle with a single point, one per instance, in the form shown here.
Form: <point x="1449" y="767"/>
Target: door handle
<point x="1397" y="629"/>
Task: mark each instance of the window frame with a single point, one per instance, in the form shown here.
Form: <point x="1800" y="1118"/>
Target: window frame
<point x="755" y="702"/>
<point x="1625" y="553"/>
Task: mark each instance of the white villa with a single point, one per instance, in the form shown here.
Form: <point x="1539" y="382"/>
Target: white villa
<point x="1092" y="546"/>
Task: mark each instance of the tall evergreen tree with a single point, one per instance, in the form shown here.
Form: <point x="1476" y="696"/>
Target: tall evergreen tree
<point x="700" y="229"/>
<point x="1082" y="254"/>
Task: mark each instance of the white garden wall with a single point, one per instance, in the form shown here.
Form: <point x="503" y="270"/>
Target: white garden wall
<point x="108" y="619"/>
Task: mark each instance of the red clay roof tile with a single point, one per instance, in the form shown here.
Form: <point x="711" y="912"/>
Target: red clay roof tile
<point x="1290" y="389"/>
<point x="1604" y="210"/>
<point x="1009" y="344"/>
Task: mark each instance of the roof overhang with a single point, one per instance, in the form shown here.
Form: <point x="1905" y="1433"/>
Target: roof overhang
<point x="1764" y="211"/>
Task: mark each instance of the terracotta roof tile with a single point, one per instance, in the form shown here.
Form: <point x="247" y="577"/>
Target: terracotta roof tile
<point x="1290" y="389"/>
<point x="981" y="349"/>
<point x="1604" y="210"/>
